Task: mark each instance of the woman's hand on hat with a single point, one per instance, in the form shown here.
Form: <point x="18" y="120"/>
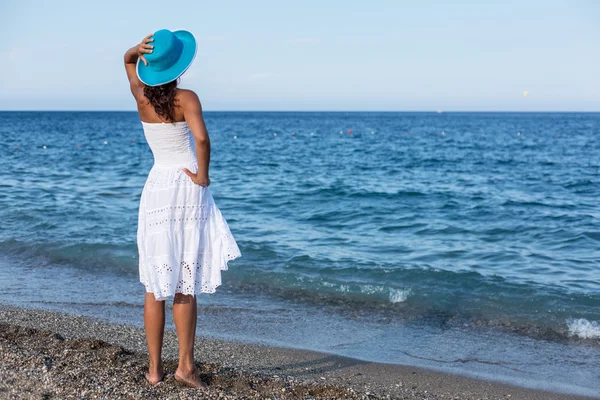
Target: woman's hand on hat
<point x="198" y="180"/>
<point x="145" y="48"/>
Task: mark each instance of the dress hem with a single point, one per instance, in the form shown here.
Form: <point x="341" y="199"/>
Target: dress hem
<point x="202" y="289"/>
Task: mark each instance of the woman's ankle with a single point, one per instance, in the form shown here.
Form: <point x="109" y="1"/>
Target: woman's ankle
<point x="155" y="367"/>
<point x="186" y="367"/>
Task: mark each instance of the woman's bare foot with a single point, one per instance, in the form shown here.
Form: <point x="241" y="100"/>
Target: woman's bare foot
<point x="190" y="379"/>
<point x="155" y="375"/>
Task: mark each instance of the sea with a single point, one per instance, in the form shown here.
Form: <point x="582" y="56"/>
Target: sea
<point x="467" y="243"/>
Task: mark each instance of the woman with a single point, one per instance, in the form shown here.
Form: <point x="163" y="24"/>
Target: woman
<point x="183" y="240"/>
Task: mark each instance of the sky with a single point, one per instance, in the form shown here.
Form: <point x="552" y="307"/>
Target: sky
<point x="324" y="55"/>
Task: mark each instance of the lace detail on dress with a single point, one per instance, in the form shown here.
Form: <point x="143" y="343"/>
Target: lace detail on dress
<point x="184" y="214"/>
<point x="193" y="277"/>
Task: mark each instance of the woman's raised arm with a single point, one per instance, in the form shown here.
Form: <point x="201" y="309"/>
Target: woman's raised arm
<point x="131" y="57"/>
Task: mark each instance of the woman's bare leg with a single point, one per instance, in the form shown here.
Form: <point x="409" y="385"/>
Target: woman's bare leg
<point x="185" y="315"/>
<point x="154" y="323"/>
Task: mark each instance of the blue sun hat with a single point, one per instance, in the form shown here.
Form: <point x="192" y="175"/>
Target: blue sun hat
<point x="172" y="55"/>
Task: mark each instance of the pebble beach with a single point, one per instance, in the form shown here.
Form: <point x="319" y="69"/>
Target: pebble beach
<point x="49" y="355"/>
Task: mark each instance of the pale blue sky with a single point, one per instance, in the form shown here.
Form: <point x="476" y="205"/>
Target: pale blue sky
<point x="312" y="55"/>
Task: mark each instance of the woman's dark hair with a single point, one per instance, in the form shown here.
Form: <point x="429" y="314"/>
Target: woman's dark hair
<point x="162" y="98"/>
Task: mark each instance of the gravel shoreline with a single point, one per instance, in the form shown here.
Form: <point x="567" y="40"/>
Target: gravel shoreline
<point x="49" y="355"/>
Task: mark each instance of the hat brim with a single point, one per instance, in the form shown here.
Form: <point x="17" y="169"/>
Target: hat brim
<point x="150" y="77"/>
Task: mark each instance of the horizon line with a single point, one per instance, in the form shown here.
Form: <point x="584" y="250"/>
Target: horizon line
<point x="336" y="111"/>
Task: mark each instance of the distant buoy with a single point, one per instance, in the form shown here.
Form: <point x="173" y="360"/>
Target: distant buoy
<point x="293" y="133"/>
<point x="349" y="131"/>
<point x="132" y="140"/>
<point x="16" y="147"/>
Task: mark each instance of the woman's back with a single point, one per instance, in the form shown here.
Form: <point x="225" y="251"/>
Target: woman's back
<point x="147" y="111"/>
<point x="172" y="144"/>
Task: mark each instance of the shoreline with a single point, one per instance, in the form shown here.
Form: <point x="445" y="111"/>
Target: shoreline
<point x="46" y="346"/>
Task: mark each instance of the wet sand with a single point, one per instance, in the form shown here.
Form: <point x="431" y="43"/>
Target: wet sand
<point x="48" y="355"/>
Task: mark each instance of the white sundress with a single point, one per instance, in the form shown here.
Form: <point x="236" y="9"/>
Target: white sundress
<point x="183" y="240"/>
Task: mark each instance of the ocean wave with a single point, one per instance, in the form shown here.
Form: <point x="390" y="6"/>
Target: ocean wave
<point x="408" y="226"/>
<point x="577" y="183"/>
<point x="533" y="203"/>
<point x="584" y="329"/>
<point x="118" y="257"/>
<point x="399" y="295"/>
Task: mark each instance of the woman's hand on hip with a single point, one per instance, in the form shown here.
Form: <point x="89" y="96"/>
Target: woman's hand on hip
<point x="198" y="180"/>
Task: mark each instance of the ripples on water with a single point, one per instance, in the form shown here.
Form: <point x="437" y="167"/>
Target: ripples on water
<point x="447" y="219"/>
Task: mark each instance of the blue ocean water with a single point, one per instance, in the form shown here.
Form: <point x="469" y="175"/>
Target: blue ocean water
<point x="416" y="238"/>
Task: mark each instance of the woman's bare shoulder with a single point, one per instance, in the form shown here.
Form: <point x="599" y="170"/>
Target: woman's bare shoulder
<point x="188" y="99"/>
<point x="187" y="96"/>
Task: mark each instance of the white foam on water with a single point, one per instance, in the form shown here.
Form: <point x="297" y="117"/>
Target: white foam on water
<point x="583" y="328"/>
<point x="370" y="289"/>
<point x="399" y="295"/>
